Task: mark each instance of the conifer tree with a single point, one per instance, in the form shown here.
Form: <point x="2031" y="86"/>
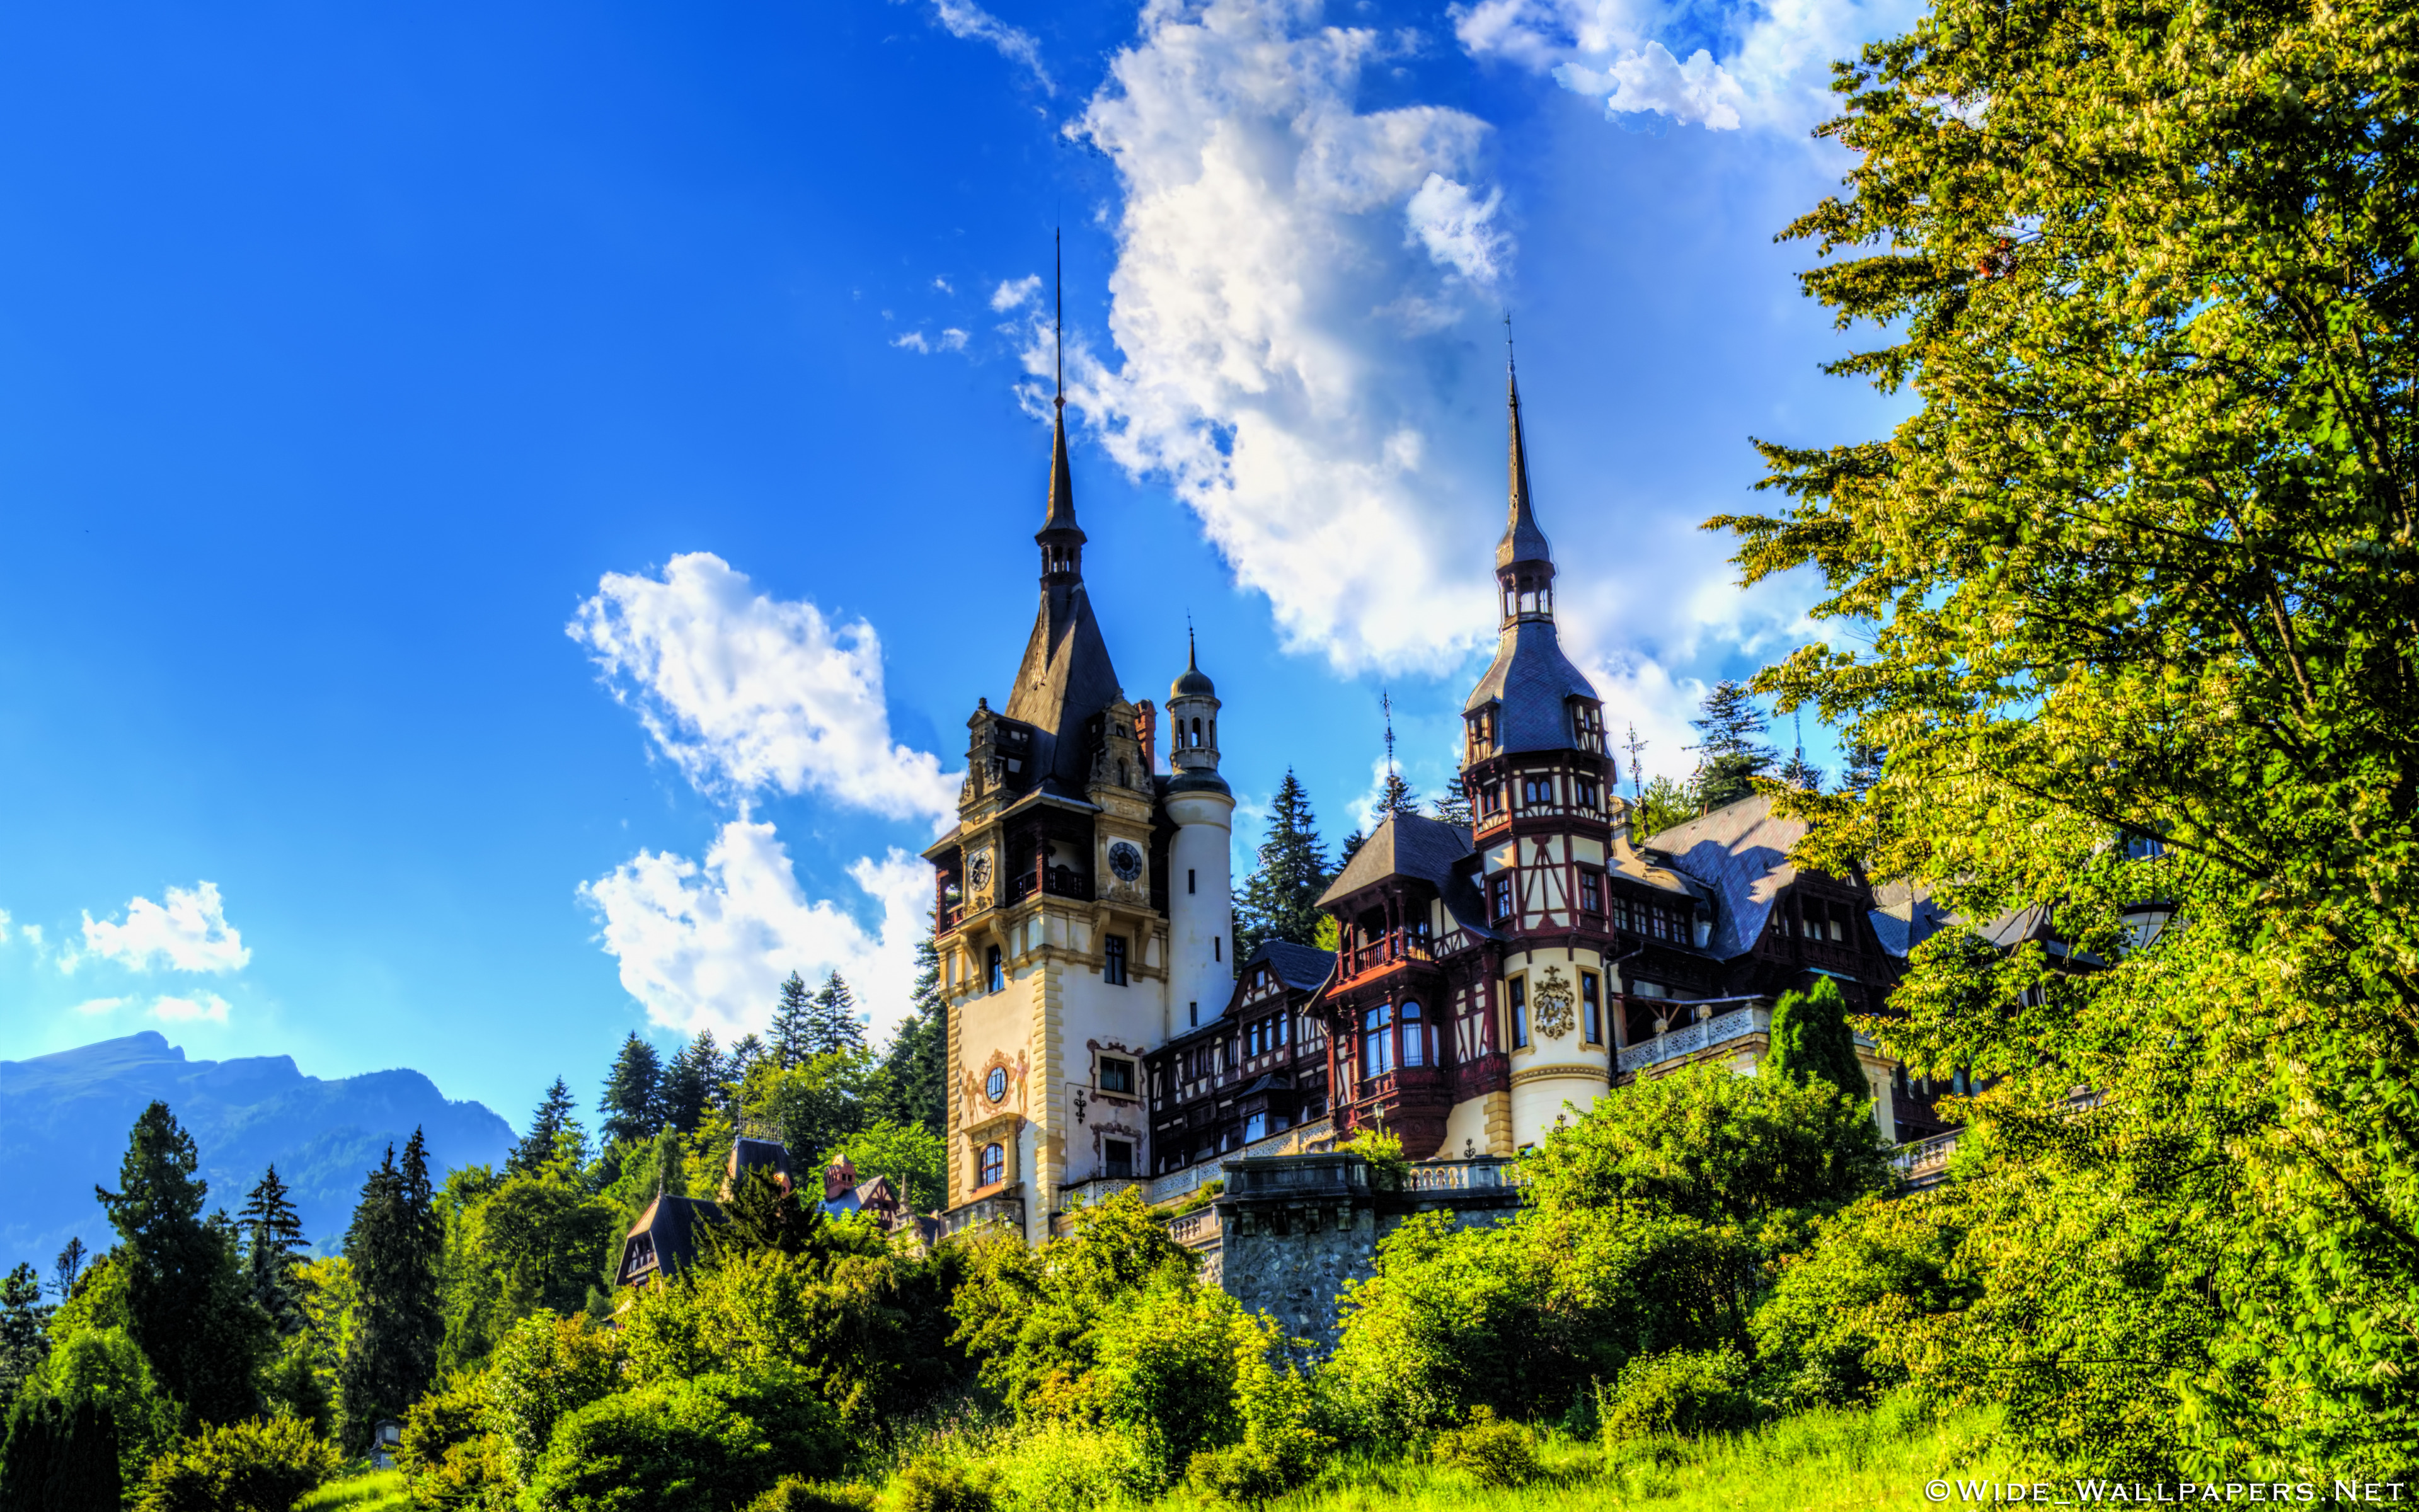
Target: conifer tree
<point x="834" y="1019"/>
<point x="66" y="1268"/>
<point x="550" y="1125"/>
<point x="911" y="1088"/>
<point x="793" y="1023"/>
<point x="59" y="1458"/>
<point x="1800" y="773"/>
<point x="1397" y="796"/>
<point x="184" y="1284"/>
<point x="1662" y="805"/>
<point x="750" y="1049"/>
<point x="1865" y="761"/>
<point x="395" y="1244"/>
<point x="1280" y="899"/>
<point x="24" y="1336"/>
<point x="628" y="1106"/>
<point x="273" y="1245"/>
<point x="1455" y="806"/>
<point x="1351" y="848"/>
<point x="1731" y="725"/>
<point x="688" y="1083"/>
<point x="1812" y="1042"/>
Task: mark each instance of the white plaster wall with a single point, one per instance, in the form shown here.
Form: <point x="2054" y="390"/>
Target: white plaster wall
<point x="1122" y="1020"/>
<point x="1537" y="1105"/>
<point x="1201" y="924"/>
<point x="1465" y="1128"/>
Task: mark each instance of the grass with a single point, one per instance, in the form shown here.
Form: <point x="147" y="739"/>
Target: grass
<point x="368" y="1490"/>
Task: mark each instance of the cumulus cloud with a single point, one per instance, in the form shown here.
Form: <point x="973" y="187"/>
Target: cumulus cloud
<point x="1773" y="69"/>
<point x="95" y="1007"/>
<point x="187" y="933"/>
<point x="949" y="340"/>
<point x="1014" y="292"/>
<point x="969" y="21"/>
<point x="201" y="1008"/>
<point x="1291" y="272"/>
<point x="705" y="946"/>
<point x="748" y="694"/>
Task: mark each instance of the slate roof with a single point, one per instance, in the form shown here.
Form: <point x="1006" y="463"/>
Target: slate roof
<point x="1530" y="678"/>
<point x="1303" y="968"/>
<point x="1740" y="853"/>
<point x="1522" y="540"/>
<point x="672" y="1227"/>
<point x="1426" y="850"/>
<point x="1066" y="677"/>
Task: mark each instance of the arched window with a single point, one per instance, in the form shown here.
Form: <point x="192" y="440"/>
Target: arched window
<point x="1376" y="1044"/>
<point x="993" y="1167"/>
<point x="1196" y="732"/>
<point x="1415" y="1037"/>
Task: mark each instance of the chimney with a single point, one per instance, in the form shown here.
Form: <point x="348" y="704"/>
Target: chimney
<point x="1147" y="731"/>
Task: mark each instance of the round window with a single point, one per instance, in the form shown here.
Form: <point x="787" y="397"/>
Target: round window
<point x="1125" y="862"/>
<point x="995" y="1085"/>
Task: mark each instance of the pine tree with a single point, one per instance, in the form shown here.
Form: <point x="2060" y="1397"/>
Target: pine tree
<point x="1812" y="1042"/>
<point x="554" y="1129"/>
<point x="688" y="1083"/>
<point x="1397" y="796"/>
<point x="744" y="1055"/>
<point x="395" y="1244"/>
<point x="59" y="1458"/>
<point x="1454" y="807"/>
<point x="66" y="1268"/>
<point x="272" y="1243"/>
<point x="1280" y="899"/>
<point x="1730" y="723"/>
<point x="1800" y="773"/>
<point x="1351" y="848"/>
<point x="1664" y="804"/>
<point x="1865" y="761"/>
<point x="628" y="1106"/>
<point x="792" y="1024"/>
<point x="184" y="1281"/>
<point x="911" y="1086"/>
<point x="834" y="1018"/>
<point x="24" y="1328"/>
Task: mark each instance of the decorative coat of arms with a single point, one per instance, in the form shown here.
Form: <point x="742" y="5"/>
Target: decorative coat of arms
<point x="1553" y="998"/>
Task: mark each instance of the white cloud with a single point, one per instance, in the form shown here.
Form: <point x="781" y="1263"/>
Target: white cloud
<point x="33" y="933"/>
<point x="1016" y="291"/>
<point x="3" y="926"/>
<point x="914" y="341"/>
<point x="952" y="340"/>
<point x="1289" y="272"/>
<point x="969" y="21"/>
<point x="745" y="693"/>
<point x="189" y="932"/>
<point x="201" y="1008"/>
<point x="1775" y="71"/>
<point x="706" y="946"/>
<point x="943" y="284"/>
<point x="95" y="1007"/>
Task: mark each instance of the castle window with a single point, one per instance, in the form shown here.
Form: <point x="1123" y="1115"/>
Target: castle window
<point x="1536" y="792"/>
<point x="1117" y="1158"/>
<point x="1116" y="1075"/>
<point x="1280" y="1022"/>
<point x="1501" y="892"/>
<point x="1587" y="793"/>
<point x="1591" y="892"/>
<point x="1518" y="988"/>
<point x="1415" y="1036"/>
<point x="1256" y="1127"/>
<point x="1587" y="726"/>
<point x="1192" y="881"/>
<point x="1376" y="1044"/>
<point x="992" y="1167"/>
<point x="1217" y="947"/>
<point x="995" y="973"/>
<point x="1113" y="961"/>
<point x="1591" y="1009"/>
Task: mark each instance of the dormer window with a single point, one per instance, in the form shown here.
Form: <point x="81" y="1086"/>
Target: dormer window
<point x="1484" y="735"/>
<point x="1587" y="725"/>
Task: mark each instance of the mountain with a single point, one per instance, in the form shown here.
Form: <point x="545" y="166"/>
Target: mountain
<point x="64" y="1121"/>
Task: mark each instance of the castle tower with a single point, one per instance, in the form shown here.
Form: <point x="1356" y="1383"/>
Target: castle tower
<point x="1201" y="916"/>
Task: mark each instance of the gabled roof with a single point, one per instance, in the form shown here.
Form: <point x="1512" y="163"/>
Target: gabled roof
<point x="671" y="1227"/>
<point x="1302" y="967"/>
<point x="1531" y="679"/>
<point x="1740" y="852"/>
<point x="1064" y="680"/>
<point x="1404" y="845"/>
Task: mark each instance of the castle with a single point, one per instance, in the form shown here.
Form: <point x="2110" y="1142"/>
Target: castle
<point x="1102" y="1034"/>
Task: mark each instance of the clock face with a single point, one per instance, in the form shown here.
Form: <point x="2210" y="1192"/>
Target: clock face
<point x="978" y="870"/>
<point x="996" y="1087"/>
<point x="1125" y="862"/>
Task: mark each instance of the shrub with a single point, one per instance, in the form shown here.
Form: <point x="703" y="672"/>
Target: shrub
<point x="938" y="1486"/>
<point x="59" y="1456"/>
<point x="542" y="1368"/>
<point x="795" y="1494"/>
<point x="449" y="1457"/>
<point x="715" y="1441"/>
<point x="1682" y="1392"/>
<point x="1494" y="1451"/>
<point x="1389" y="1169"/>
<point x="261" y="1465"/>
<point x="1240" y="1472"/>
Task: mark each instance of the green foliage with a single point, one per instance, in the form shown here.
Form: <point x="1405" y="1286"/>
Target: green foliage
<point x="1061" y="1466"/>
<point x="272" y="1250"/>
<point x="554" y="1135"/>
<point x="544" y="1368"/>
<point x="1279" y="901"/>
<point x="1812" y="1042"/>
<point x="186" y="1302"/>
<point x="533" y="1241"/>
<point x="58" y="1457"/>
<point x="101" y="1367"/>
<point x="24" y="1330"/>
<point x="1494" y="1451"/>
<point x="719" y="1441"/>
<point x="1686" y="1393"/>
<point x="813" y="1105"/>
<point x="451" y="1457"/>
<point x="793" y="1023"/>
<point x="1389" y="1167"/>
<point x="628" y="1103"/>
<point x="913" y="1156"/>
<point x="1732" y="755"/>
<point x="261" y="1465"/>
<point x="911" y="1086"/>
<point x="374" y="1491"/>
<point x="936" y="1484"/>
<point x="689" y="1083"/>
<point x="1663" y="804"/>
<point x="395" y="1243"/>
<point x="1843" y="1313"/>
<point x="797" y="1493"/>
<point x="834" y="1025"/>
<point x="2139" y="565"/>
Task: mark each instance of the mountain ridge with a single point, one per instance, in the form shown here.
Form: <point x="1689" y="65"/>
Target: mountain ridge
<point x="65" y="1116"/>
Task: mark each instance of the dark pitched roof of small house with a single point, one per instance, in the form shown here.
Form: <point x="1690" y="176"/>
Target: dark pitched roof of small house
<point x="665" y="1238"/>
<point x="1302" y="967"/>
<point x="1426" y="849"/>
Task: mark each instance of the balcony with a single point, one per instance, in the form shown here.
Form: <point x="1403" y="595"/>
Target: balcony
<point x="1705" y="1034"/>
<point x="1392" y="949"/>
<point x="999" y="1208"/>
<point x="1300" y="1139"/>
<point x="1925" y="1163"/>
<point x="1485" y="1174"/>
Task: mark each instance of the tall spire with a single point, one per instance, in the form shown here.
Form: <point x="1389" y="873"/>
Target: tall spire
<point x="1522" y="540"/>
<point x="1060" y="538"/>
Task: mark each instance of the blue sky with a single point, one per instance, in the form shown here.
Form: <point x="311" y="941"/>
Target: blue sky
<point x="505" y="510"/>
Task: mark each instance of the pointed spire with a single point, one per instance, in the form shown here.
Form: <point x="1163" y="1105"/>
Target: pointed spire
<point x="1522" y="540"/>
<point x="1058" y="527"/>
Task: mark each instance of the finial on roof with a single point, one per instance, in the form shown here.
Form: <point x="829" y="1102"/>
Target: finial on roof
<point x="1059" y="528"/>
<point x="1522" y="540"/>
<point x="1194" y="682"/>
<point x="1386" y="702"/>
<point x="1058" y="297"/>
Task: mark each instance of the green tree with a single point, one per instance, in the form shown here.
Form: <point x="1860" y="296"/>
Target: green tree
<point x="24" y="1330"/>
<point x="272" y="1248"/>
<point x="59" y="1458"/>
<point x="688" y="1083"/>
<point x="395" y="1243"/>
<point x="554" y="1133"/>
<point x="794" y="1023"/>
<point x="912" y="1155"/>
<point x="629" y="1106"/>
<point x="2138" y="563"/>
<point x="1810" y="1041"/>
<point x="1664" y="804"/>
<point x="834" y="1023"/>
<point x="1396" y="795"/>
<point x="263" y="1465"/>
<point x="1864" y="766"/>
<point x="912" y="1085"/>
<point x="188" y="1307"/>
<point x="1731" y="749"/>
<point x="1454" y="808"/>
<point x="1280" y="899"/>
